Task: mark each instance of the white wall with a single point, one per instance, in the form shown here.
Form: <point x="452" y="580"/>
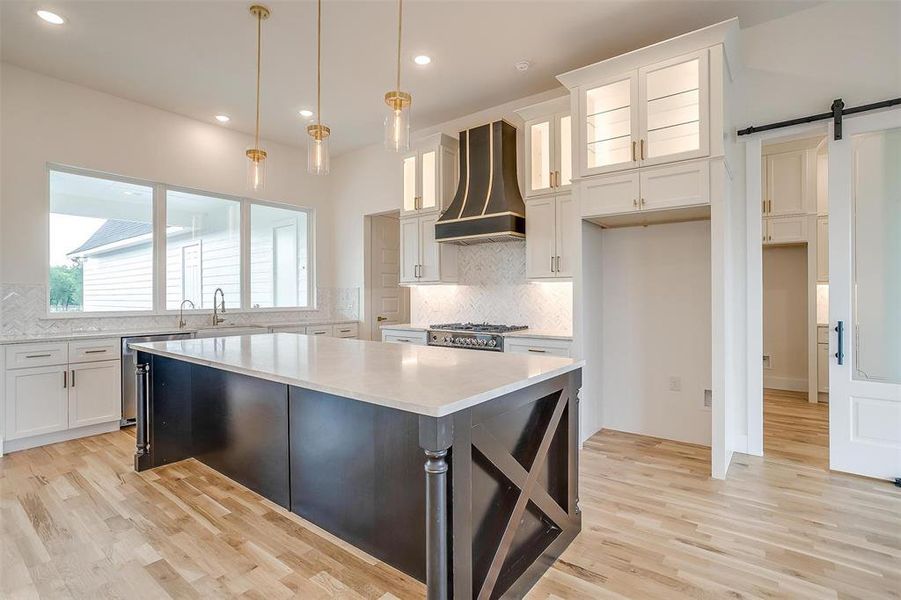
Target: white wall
<point x="785" y="317"/>
<point x="46" y="120"/>
<point x="653" y="310"/>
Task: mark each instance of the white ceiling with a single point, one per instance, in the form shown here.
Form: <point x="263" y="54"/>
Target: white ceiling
<point x="198" y="58"/>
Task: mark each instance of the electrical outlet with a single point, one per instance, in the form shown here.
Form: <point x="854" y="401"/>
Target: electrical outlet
<point x="767" y="361"/>
<point x="708" y="399"/>
<point x="675" y="383"/>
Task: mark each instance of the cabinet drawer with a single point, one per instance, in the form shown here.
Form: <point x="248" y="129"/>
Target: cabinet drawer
<point x="538" y="346"/>
<point x="610" y="195"/>
<point x="786" y="230"/>
<point x="417" y="338"/>
<point x="288" y="329"/>
<point x="325" y="330"/>
<point x="347" y="330"/>
<point x="686" y="184"/>
<point x="20" y="356"/>
<point x="94" y="350"/>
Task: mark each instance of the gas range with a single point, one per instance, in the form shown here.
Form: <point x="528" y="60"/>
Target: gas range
<point x="475" y="336"/>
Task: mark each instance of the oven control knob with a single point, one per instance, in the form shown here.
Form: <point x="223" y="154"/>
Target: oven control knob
<point x="447" y="339"/>
<point x="492" y="343"/>
<point x="481" y="342"/>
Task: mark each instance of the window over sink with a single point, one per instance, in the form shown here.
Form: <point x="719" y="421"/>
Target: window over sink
<point x="104" y="230"/>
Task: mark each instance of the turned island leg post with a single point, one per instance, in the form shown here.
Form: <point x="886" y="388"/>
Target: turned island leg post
<point x="142" y="443"/>
<point x="435" y="438"/>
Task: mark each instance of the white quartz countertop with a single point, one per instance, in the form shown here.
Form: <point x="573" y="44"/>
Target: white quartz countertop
<point x="426" y="380"/>
<point x="87" y="335"/>
<point x="524" y="333"/>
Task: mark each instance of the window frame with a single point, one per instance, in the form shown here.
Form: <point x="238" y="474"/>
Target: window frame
<point x="158" y="211"/>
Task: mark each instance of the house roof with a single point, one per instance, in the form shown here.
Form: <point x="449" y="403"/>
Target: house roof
<point x="113" y="230"/>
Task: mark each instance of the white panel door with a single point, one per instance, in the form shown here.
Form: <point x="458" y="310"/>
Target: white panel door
<point x="429" y="251"/>
<point x="865" y="296"/>
<point x="409" y="250"/>
<point x="94" y="393"/>
<point x="610" y="195"/>
<point x="674" y="186"/>
<point x="389" y="302"/>
<point x="36" y="401"/>
<point x="567" y="220"/>
<point x="541" y="237"/>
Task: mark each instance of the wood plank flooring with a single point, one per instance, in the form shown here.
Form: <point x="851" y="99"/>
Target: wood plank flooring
<point x="795" y="429"/>
<point x="77" y="522"/>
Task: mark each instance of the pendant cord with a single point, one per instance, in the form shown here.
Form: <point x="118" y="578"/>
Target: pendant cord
<point x="319" y="63"/>
<point x="400" y="20"/>
<point x="259" y="62"/>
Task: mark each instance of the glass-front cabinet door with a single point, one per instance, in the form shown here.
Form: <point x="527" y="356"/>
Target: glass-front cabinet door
<point x="428" y="180"/>
<point x="673" y="101"/>
<point x="611" y="125"/>
<point x="539" y="148"/>
<point x="564" y="137"/>
<point x="411" y="187"/>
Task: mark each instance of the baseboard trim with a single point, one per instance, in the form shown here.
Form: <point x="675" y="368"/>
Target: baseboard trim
<point x="58" y="436"/>
<point x="791" y="384"/>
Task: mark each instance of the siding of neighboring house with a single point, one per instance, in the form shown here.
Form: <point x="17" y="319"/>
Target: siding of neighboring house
<point x="121" y="280"/>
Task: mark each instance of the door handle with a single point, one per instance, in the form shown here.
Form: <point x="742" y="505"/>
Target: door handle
<point x="840" y="345"/>
<point x="381" y="318"/>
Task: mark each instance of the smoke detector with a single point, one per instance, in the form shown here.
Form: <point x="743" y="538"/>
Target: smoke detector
<point x="523" y="65"/>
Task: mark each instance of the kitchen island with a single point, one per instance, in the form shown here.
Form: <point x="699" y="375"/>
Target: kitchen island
<point x="458" y="467"/>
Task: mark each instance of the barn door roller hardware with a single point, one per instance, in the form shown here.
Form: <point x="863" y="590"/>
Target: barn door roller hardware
<point x="836" y="112"/>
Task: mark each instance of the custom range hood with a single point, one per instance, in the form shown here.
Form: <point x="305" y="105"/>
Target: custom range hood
<point x="487" y="206"/>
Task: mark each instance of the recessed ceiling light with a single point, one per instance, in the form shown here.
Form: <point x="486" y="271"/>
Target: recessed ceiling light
<point x="522" y="65"/>
<point x="223" y="118"/>
<point x="50" y="17"/>
<point x="306" y="113"/>
<point x="422" y="60"/>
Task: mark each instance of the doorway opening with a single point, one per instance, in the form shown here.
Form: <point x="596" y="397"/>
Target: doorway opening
<point x="385" y="301"/>
<point x="795" y="284"/>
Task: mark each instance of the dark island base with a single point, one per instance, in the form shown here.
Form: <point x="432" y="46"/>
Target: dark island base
<point x="477" y="504"/>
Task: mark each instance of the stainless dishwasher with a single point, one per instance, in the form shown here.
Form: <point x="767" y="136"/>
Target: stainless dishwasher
<point x="129" y="395"/>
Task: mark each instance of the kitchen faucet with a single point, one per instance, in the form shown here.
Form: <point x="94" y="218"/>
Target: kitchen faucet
<point x="216" y="307"/>
<point x="181" y="314"/>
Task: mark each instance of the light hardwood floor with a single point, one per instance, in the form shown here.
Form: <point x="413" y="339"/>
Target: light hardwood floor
<point x="795" y="429"/>
<point x="77" y="522"/>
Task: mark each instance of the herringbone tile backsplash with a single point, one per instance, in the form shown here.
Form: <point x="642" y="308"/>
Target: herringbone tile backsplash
<point x="493" y="288"/>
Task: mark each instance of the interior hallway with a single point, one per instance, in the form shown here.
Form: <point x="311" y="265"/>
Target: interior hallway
<point x="78" y="522"/>
<point x="795" y="429"/>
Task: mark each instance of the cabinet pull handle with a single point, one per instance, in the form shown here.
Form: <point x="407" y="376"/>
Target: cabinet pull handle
<point x="73" y="378"/>
<point x="558" y="265"/>
<point x="38" y="355"/>
<point x="402" y="340"/>
<point x="769" y="210"/>
<point x="537" y="350"/>
<point x="65" y="380"/>
<point x="344" y="330"/>
<point x="635" y="202"/>
<point x="641" y="144"/>
<point x="318" y="333"/>
<point x="641" y="201"/>
<point x="633" y="151"/>
<point x="95" y="351"/>
<point x="552" y="264"/>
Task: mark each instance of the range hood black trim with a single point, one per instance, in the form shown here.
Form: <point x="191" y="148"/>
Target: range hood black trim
<point x="487" y="206"/>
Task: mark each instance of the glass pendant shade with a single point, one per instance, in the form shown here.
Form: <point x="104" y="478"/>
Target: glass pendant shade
<point x="317" y="150"/>
<point x="256" y="169"/>
<point x="397" y="121"/>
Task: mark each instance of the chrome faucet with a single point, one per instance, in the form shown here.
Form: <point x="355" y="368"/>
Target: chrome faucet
<point x="181" y="314"/>
<point x="217" y="308"/>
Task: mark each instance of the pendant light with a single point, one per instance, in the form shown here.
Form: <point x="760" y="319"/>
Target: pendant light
<point x="397" y="122"/>
<point x="317" y="148"/>
<point x="256" y="166"/>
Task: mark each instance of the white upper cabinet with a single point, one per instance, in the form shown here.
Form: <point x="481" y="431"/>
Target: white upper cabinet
<point x="429" y="175"/>
<point x="673" y="109"/>
<point x="548" y="147"/>
<point x="610" y="121"/>
<point x="422" y="259"/>
<point x="786" y="178"/>
<point x="655" y="114"/>
<point x="549" y="236"/>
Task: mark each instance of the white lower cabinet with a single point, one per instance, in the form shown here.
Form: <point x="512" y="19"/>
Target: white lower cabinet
<point x="67" y="395"/>
<point x="325" y="330"/>
<point x="405" y="336"/>
<point x="347" y="330"/>
<point x="37" y="401"/>
<point x="538" y="346"/>
<point x="94" y="395"/>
